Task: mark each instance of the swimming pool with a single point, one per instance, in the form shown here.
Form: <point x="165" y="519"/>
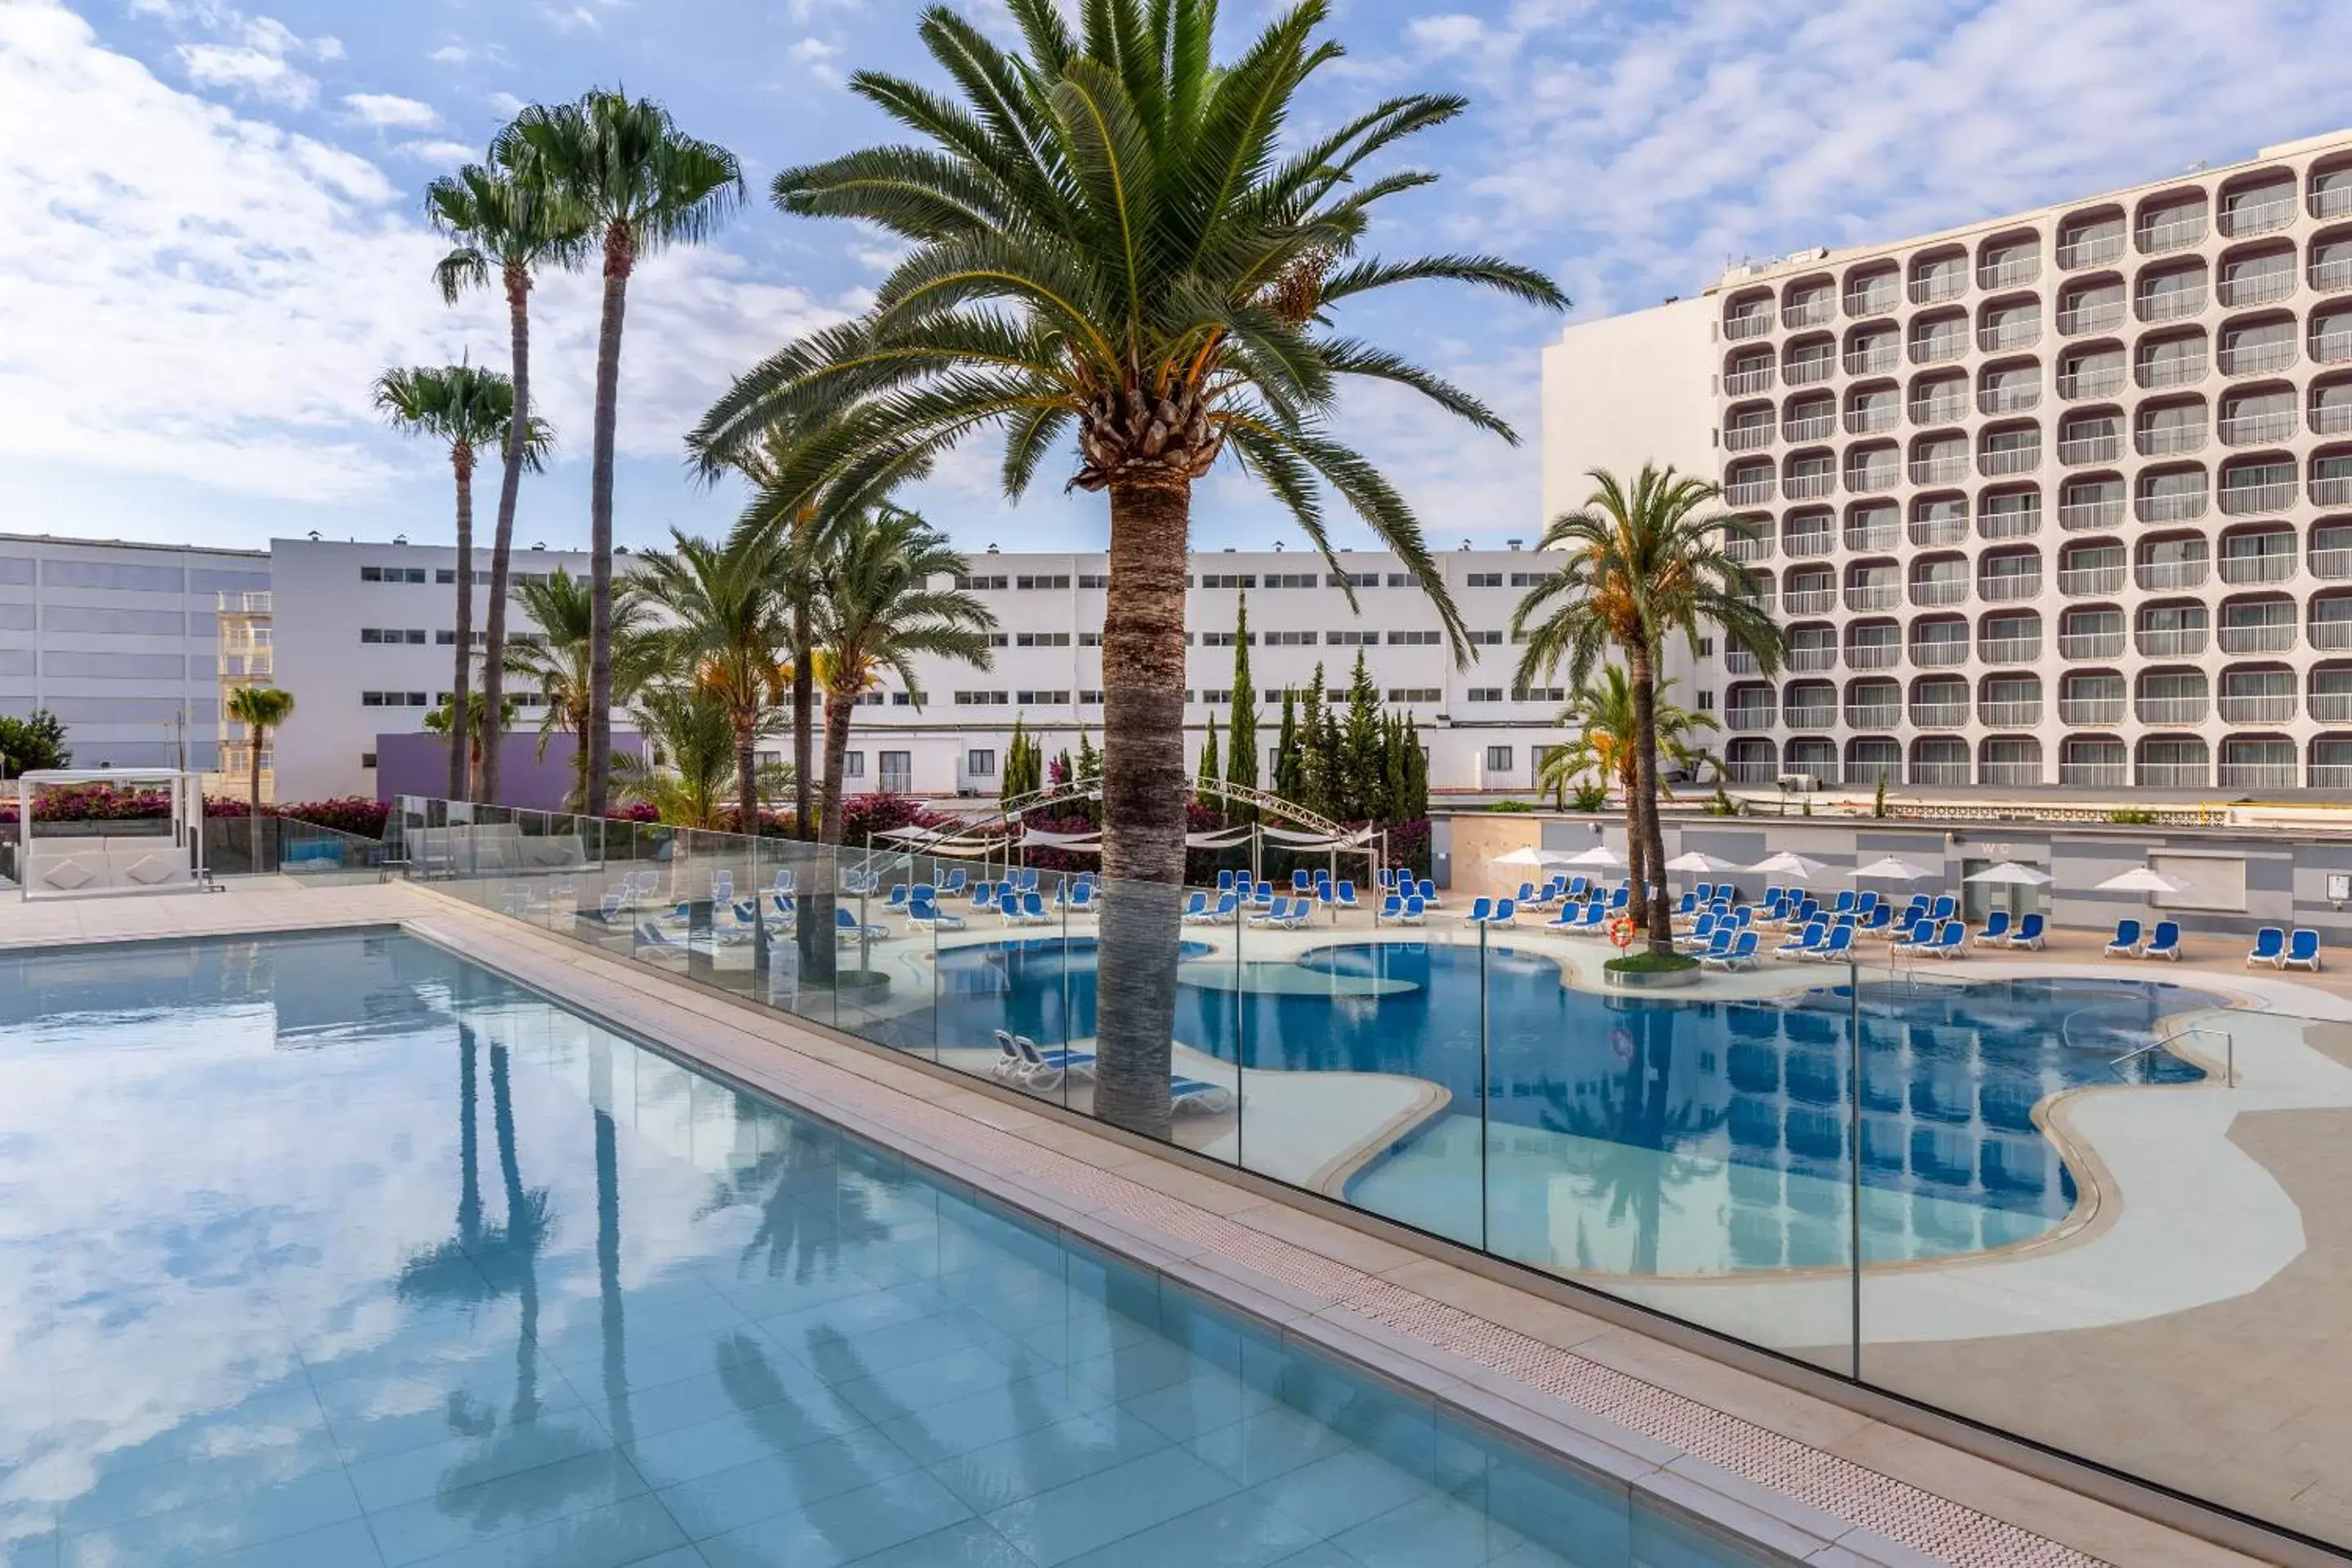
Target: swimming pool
<point x="339" y="1250"/>
<point x="1651" y="1136"/>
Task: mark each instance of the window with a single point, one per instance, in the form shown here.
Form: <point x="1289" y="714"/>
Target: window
<point x="1000" y="640"/>
<point x="201" y="580"/>
<point x="396" y="636"/>
<point x="1415" y="638"/>
<point x="105" y="574"/>
<point x="1224" y="639"/>
<point x="852" y="764"/>
<point x="392" y="699"/>
<point x="1530" y="578"/>
<point x="1485" y="639"/>
<point x="1705" y="700"/>
<point x="1486" y="694"/>
<point x="447" y="575"/>
<point x="1041" y="639"/>
<point x="1090" y="699"/>
<point x="1484" y="579"/>
<point x="1352" y="580"/>
<point x="982" y="699"/>
<point x="1538" y="693"/>
<point x="1218" y="697"/>
<point x="907" y="699"/>
<point x="447" y="639"/>
<point x="15" y="568"/>
<point x="136" y="623"/>
<point x="1092" y="580"/>
<point x="1290" y="580"/>
<point x="1352" y="639"/>
<point x="979" y="584"/>
<point x="1403" y="579"/>
<point x="1706" y="647"/>
<point x="1498" y="759"/>
<point x="1402" y="694"/>
<point x="1289" y="639"/>
<point x="389" y="574"/>
<point x="115" y="666"/>
<point x="1228" y="580"/>
<point x="1044" y="699"/>
<point x="367" y="759"/>
<point x="980" y="764"/>
<point x="1041" y="582"/>
<point x="1089" y="639"/>
<point x="897" y="771"/>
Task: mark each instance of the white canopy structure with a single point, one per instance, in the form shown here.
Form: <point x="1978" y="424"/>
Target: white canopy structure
<point x="2010" y="873"/>
<point x="1598" y="855"/>
<point x="1699" y="863"/>
<point x="1892" y="868"/>
<point x="154" y="854"/>
<point x="1791" y="864"/>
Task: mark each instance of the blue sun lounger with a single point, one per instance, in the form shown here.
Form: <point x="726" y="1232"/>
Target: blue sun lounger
<point x="2128" y="940"/>
<point x="2302" y="951"/>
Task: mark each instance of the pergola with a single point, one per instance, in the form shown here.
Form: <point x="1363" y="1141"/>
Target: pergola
<point x="93" y="864"/>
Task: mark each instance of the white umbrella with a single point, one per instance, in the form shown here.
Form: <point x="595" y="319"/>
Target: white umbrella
<point x="2140" y="879"/>
<point x="1699" y="862"/>
<point x="1894" y="870"/>
<point x="2009" y="872"/>
<point x="1598" y="855"/>
<point x="1791" y="864"/>
<point x="1528" y="855"/>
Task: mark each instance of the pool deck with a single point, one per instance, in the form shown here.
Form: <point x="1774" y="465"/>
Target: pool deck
<point x="1812" y="1480"/>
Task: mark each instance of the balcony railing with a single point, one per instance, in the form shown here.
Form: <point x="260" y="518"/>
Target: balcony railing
<point x="2331" y="635"/>
<point x="2327" y="276"/>
<point x="1872" y="419"/>
<point x="1997" y="587"/>
<point x="1808" y="371"/>
<point x="2077" y="581"/>
<point x="2099" y="317"/>
<point x="1871" y="360"/>
<point x="2090" y="250"/>
<point x="1809" y="601"/>
<point x="2169" y="440"/>
<point x="2008" y="271"/>
<point x="2264" y="708"/>
<point x="1872" y="716"/>
<point x="1804" y="545"/>
<point x="1810" y="311"/>
<point x="2178" y="641"/>
<point x="2172" y="775"/>
<point x="1813" y="656"/>
<point x="1810" y="427"/>
<point x="1996" y="461"/>
<point x="1927" y="532"/>
<point x="2090" y="710"/>
<point x="1940" y="716"/>
<point x="1810" y="484"/>
<point x="1939" y="773"/>
<point x="2172" y="507"/>
<point x="1940" y="591"/>
<point x="2331" y="201"/>
<point x="1873" y="538"/>
<point x="1874" y="477"/>
<point x="2263" y="566"/>
<point x="1939" y="470"/>
<point x="2093" y="775"/>
<point x="2010" y="523"/>
<point x="2000" y="336"/>
<point x="2331" y="708"/>
<point x="1940" y="652"/>
<point x="2172" y="370"/>
<point x="2171" y="710"/>
<point x="2010" y="650"/>
<point x="1944" y="282"/>
<point x="1747" y="437"/>
<point x="2073" y="514"/>
<point x="2332" y="348"/>
<point x="2090" y="645"/>
<point x="2258" y="287"/>
<point x="2265" y="216"/>
<point x="2332" y="490"/>
<point x="2331" y="418"/>
<point x="1878" y="298"/>
<point x="1747" y="324"/>
<point x="2245" y="429"/>
<point x="2330" y="563"/>
<point x="1872" y="655"/>
<point x="2267" y="637"/>
<point x="2258" y="359"/>
<point x="1809" y="717"/>
<point x="1748" y="492"/>
<point x="2103" y="383"/>
<point x="1938" y="348"/>
<point x="1749" y="718"/>
<point x="2163" y="574"/>
<point x="1943" y="408"/>
<point x="2019" y="399"/>
<point x="2018" y="714"/>
<point x="1874" y="595"/>
<point x="1738" y="383"/>
<point x="2172" y="232"/>
<point x="2171" y="304"/>
<point x="2084" y="449"/>
<point x="2256" y="776"/>
<point x="2330" y="775"/>
<point x="2270" y="496"/>
<point x="1739" y="662"/>
<point x="2011" y="773"/>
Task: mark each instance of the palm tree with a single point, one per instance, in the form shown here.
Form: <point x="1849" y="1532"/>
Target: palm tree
<point x="1110" y="239"/>
<point x="1602" y="717"/>
<point x="513" y="226"/>
<point x="1641" y="566"/>
<point x="689" y="770"/>
<point x="260" y="709"/>
<point x="877" y="610"/>
<point x="730" y="611"/>
<point x="636" y="184"/>
<point x="556" y="658"/>
<point x="466" y="409"/>
<point x="478" y="728"/>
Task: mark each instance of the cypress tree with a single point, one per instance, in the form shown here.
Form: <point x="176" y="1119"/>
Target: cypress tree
<point x="1285" y="749"/>
<point x="1089" y="759"/>
<point x="1209" y="766"/>
<point x="1357" y="776"/>
<point x="1016" y="756"/>
<point x="1312" y="756"/>
<point x="1241" y="752"/>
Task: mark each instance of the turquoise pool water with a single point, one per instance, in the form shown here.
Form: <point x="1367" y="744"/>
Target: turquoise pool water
<point x="1650" y="1135"/>
<point x="339" y="1253"/>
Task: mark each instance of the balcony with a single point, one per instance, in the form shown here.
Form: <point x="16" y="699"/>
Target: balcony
<point x="2090" y="250"/>
<point x="2000" y="337"/>
<point x="2327" y="276"/>
<point x="2023" y="398"/>
<point x="2171" y="304"/>
<point x="1739" y="383"/>
<point x="2010" y="650"/>
<point x="1938" y="348"/>
<point x="1747" y="547"/>
<point x="1939" y="470"/>
<point x="1809" y="601"/>
<point x="2331" y="635"/>
<point x="2258" y="359"/>
<point x="2268" y="216"/>
<point x="1746" y="772"/>
<point x="1946" y="406"/>
<point x="1810" y="370"/>
<point x="2271" y="496"/>
<point x="2268" y="637"/>
<point x="2090" y="710"/>
<point x="2076" y="582"/>
<point x="2251" y="429"/>
<point x="1873" y="477"/>
<point x="2169" y="440"/>
<point x="2102" y="381"/>
<point x="1812" y="310"/>
<point x="2075" y="515"/>
<point x="1811" y="716"/>
<point x="1872" y="716"/>
<point x="1940" y="716"/>
<point x="1873" y="538"/>
<point x="1747" y="324"/>
<point x="1805" y="545"/>
<point x="1739" y="662"/>
<point x="1872" y="360"/>
<point x="1880" y="296"/>
<point x="2008" y="586"/>
<point x="1813" y="656"/>
<point x="2104" y="316"/>
<point x="1810" y="427"/>
<point x="2008" y="271"/>
<point x="1928" y="590"/>
<point x="2332" y="348"/>
<point x="1810" y="484"/>
<point x="2264" y="565"/>
<point x="2172" y="507"/>
<point x="2093" y="775"/>
<point x="2084" y="449"/>
<point x="1929" y="532"/>
<point x="1945" y="650"/>
<point x="2019" y="457"/>
<point x="2171" y="710"/>
<point x="2171" y="642"/>
<point x="1747" y="493"/>
<point x="2256" y="776"/>
<point x="2011" y="773"/>
<point x="2333" y="564"/>
<point x="1873" y="596"/>
<point x="2009" y="522"/>
<point x="1873" y="418"/>
<point x="2262" y="709"/>
<point x="2172" y="775"/>
<point x="2331" y="418"/>
<point x="2090" y="645"/>
<point x="1749" y="719"/>
<point x="2264" y="288"/>
<point x="1747" y="437"/>
<point x="2172" y="370"/>
<point x="2332" y="490"/>
<point x="2022" y="715"/>
<point x="1942" y="282"/>
<point x="1872" y="655"/>
<point x="2331" y="708"/>
<point x="2172" y="232"/>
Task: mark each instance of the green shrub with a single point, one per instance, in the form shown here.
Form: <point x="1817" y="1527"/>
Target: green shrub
<point x="1879" y="800"/>
<point x="1591" y="797"/>
<point x="2132" y="817"/>
<point x="1512" y="806"/>
<point x="1652" y="963"/>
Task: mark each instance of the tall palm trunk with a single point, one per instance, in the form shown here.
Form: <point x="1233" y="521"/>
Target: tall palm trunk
<point x="257" y="739"/>
<point x="525" y="1400"/>
<point x="494" y="675"/>
<point x="803" y="715"/>
<point x="1144" y="790"/>
<point x="620" y="254"/>
<point x="840" y="710"/>
<point x="1652" y="859"/>
<point x="747" y="774"/>
<point x="461" y="459"/>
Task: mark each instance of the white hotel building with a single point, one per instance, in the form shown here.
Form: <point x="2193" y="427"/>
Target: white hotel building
<point x="2063" y="499"/>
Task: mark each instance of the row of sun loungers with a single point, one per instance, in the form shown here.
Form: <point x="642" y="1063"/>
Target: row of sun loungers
<point x="1025" y="1063"/>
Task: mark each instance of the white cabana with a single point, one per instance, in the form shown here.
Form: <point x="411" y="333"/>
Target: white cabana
<point x="1892" y="868"/>
<point x="151" y="856"/>
<point x="1791" y="864"/>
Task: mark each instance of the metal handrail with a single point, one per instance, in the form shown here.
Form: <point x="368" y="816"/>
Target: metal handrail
<point x="2229" y="1049"/>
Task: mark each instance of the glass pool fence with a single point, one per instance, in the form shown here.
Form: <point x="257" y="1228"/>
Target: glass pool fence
<point x="2027" y="1201"/>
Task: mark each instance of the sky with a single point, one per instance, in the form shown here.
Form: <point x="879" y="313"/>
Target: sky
<point x="215" y="238"/>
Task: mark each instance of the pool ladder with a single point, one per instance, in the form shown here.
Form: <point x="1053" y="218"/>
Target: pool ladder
<point x="2229" y="1049"/>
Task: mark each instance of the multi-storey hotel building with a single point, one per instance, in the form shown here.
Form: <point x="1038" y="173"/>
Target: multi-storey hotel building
<point x="2063" y="499"/>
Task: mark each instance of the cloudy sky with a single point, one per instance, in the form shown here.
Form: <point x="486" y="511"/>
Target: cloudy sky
<point x="213" y="239"/>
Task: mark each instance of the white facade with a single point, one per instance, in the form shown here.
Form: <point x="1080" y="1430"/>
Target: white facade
<point x="358" y="625"/>
<point x="121" y="642"/>
<point x="2061" y="499"/>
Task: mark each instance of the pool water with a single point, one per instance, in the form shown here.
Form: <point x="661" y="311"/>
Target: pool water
<point x="336" y="1251"/>
<point x="1651" y="1136"/>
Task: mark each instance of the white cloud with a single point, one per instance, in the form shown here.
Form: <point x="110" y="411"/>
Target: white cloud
<point x="390" y="110"/>
<point x="252" y="56"/>
<point x="818" y="56"/>
<point x="255" y="73"/>
<point x="196" y="293"/>
<point x="505" y="103"/>
<point x="451" y="55"/>
<point x="438" y="152"/>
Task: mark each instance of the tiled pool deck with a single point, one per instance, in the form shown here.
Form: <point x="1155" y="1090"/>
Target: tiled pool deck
<point x="1806" y="1478"/>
